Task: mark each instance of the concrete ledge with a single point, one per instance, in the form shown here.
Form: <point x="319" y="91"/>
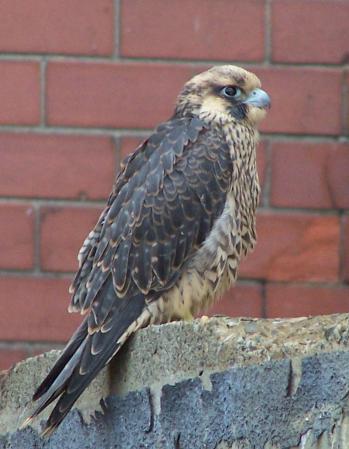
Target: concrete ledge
<point x="213" y="383"/>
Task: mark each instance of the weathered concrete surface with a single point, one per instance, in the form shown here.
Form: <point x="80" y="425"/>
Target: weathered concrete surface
<point x="219" y="383"/>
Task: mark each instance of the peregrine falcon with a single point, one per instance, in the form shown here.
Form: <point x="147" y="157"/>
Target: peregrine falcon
<point x="180" y="216"/>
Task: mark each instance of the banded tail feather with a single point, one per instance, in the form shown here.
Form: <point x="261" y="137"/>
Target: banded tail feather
<point x="85" y="355"/>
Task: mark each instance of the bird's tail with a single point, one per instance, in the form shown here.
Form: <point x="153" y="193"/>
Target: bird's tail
<point x="86" y="353"/>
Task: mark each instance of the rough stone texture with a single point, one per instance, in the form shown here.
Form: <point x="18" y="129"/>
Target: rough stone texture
<point x="212" y="384"/>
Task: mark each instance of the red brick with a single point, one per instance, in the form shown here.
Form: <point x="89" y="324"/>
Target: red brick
<point x="294" y="247"/>
<point x="19" y="93"/>
<point x="345" y="248"/>
<point x="125" y="95"/>
<point x="9" y="357"/>
<point x="56" y="166"/>
<point x="293" y="301"/>
<point x="37" y="310"/>
<point x="310" y="175"/>
<point x="311" y="31"/>
<point x="304" y="100"/>
<point x="129" y="144"/>
<point x="48" y="26"/>
<point x="63" y="231"/>
<point x="16" y="236"/>
<point x="193" y="29"/>
<point x="241" y="300"/>
<point x="113" y="95"/>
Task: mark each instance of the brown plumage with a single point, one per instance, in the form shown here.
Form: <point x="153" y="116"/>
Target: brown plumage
<point x="179" y="218"/>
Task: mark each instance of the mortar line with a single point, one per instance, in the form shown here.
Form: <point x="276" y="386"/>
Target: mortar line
<point x="100" y="203"/>
<point x="30" y="346"/>
<point x="140" y="132"/>
<point x="242" y="281"/>
<point x="117" y="152"/>
<point x="297" y="283"/>
<point x="341" y="247"/>
<point x="264" y="299"/>
<point x="55" y="202"/>
<point x="43" y="67"/>
<point x="36" y="237"/>
<point x="267" y="33"/>
<point x="58" y="57"/>
<point x="71" y="130"/>
<point x="247" y="282"/>
<point x="282" y="210"/>
<point x="30" y="274"/>
<point x="117" y="30"/>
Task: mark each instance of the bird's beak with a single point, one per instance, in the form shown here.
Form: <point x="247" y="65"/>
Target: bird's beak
<point x="258" y="98"/>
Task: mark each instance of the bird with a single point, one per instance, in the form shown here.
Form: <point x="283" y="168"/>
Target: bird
<point x="180" y="217"/>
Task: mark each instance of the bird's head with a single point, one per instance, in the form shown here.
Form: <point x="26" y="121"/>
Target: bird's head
<point x="225" y="92"/>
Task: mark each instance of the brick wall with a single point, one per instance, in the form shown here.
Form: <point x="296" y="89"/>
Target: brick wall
<point x="81" y="82"/>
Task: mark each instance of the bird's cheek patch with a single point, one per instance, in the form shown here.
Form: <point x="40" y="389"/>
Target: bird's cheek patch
<point x="213" y="104"/>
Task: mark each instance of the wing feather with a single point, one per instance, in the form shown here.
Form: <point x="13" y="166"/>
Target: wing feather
<point x="163" y="206"/>
<point x="165" y="202"/>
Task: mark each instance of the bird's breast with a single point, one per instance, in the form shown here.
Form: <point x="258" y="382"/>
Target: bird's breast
<point x="213" y="269"/>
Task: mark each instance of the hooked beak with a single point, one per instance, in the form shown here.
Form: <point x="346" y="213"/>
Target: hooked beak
<point x="258" y="98"/>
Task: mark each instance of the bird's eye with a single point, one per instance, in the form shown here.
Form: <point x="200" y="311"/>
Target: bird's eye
<point x="231" y="92"/>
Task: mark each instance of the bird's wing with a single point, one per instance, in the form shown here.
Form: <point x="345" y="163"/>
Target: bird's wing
<point x="163" y="206"/>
